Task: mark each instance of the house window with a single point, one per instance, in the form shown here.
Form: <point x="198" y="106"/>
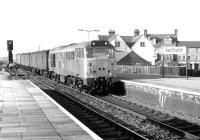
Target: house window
<point x="168" y="40"/>
<point x="142" y="44"/>
<point x="117" y="44"/>
<point x="192" y="50"/>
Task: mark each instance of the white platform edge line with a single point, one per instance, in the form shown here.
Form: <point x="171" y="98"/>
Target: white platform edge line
<point x="163" y="87"/>
<point x="91" y="133"/>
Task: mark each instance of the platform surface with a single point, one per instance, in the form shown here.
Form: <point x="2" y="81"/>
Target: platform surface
<point x="190" y="84"/>
<point x="26" y="113"/>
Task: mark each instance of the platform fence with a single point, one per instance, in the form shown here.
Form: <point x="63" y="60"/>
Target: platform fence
<point x="152" y="70"/>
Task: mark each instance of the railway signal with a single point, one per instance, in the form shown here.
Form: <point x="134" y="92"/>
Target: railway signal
<point x="10" y="48"/>
<point x="10" y="57"/>
<point x="10" y="45"/>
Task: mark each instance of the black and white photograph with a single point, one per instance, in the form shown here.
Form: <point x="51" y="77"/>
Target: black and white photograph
<point x="99" y="70"/>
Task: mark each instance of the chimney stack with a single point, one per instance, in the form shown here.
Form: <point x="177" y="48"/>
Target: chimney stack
<point x="136" y="32"/>
<point x="176" y="34"/>
<point x="145" y="33"/>
<point x="111" y="33"/>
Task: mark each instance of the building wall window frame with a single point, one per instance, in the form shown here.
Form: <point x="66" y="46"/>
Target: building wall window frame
<point x="117" y="43"/>
<point x="192" y="50"/>
<point x="198" y="50"/>
<point x="142" y="44"/>
<point x="183" y="58"/>
<point x="168" y="41"/>
<point x="188" y="57"/>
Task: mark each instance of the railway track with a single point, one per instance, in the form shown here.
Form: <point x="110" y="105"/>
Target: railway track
<point x="104" y="127"/>
<point x="160" y="122"/>
<point x="190" y="130"/>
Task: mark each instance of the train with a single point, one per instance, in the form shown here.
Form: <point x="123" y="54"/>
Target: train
<point x="86" y="66"/>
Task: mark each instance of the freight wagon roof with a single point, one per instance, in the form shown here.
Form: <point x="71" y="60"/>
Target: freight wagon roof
<point x="43" y="51"/>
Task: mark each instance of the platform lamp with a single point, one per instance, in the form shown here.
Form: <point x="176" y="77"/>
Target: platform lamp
<point x="88" y="31"/>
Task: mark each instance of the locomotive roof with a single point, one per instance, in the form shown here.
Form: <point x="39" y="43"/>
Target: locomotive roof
<point x="86" y="44"/>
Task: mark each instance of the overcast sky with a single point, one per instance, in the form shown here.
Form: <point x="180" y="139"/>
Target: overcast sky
<point x="50" y="23"/>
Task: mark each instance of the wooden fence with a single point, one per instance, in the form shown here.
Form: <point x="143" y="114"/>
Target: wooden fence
<point x="151" y="70"/>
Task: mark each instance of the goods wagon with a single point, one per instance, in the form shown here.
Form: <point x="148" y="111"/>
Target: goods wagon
<point x="39" y="62"/>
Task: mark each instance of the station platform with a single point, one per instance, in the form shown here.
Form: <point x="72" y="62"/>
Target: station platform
<point x="177" y="95"/>
<point x="27" y="113"/>
<point x="183" y="83"/>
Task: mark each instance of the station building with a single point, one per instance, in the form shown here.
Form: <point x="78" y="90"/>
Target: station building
<point x="193" y="56"/>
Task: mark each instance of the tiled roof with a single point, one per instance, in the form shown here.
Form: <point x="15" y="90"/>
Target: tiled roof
<point x="130" y="44"/>
<point x="132" y="59"/>
<point x="160" y="39"/>
<point x="120" y="55"/>
<point x="125" y="38"/>
<point x="130" y="40"/>
<point x="162" y="36"/>
<point x="192" y="44"/>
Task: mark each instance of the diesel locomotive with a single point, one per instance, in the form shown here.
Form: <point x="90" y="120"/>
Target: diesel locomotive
<point x="88" y="66"/>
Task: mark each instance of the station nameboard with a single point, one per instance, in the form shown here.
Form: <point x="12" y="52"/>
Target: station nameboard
<point x="174" y="50"/>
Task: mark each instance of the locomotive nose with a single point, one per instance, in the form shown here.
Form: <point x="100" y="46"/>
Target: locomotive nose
<point x="101" y="68"/>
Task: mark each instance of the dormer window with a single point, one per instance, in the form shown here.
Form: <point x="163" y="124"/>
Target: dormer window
<point x="117" y="43"/>
<point x="168" y="40"/>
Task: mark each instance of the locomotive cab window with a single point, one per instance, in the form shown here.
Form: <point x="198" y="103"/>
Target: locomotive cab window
<point x="89" y="52"/>
<point x="101" y="50"/>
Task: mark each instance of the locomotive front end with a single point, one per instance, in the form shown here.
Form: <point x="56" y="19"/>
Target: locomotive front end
<point x="101" y="64"/>
<point x="101" y="60"/>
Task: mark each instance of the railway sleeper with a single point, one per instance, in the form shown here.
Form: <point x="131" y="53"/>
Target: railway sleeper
<point x="98" y="126"/>
<point x="106" y="129"/>
<point x="191" y="128"/>
<point x="108" y="136"/>
<point x="185" y="126"/>
<point x="121" y="138"/>
<point x="96" y="120"/>
<point x="176" y="124"/>
<point x="194" y="131"/>
<point x="111" y="134"/>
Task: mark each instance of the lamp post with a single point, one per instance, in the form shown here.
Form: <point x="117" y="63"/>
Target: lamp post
<point x="88" y="31"/>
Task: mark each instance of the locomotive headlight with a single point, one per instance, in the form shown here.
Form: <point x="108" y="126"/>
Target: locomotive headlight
<point x="106" y="43"/>
<point x="93" y="43"/>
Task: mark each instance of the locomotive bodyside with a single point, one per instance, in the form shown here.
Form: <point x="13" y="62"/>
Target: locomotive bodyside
<point x="63" y="64"/>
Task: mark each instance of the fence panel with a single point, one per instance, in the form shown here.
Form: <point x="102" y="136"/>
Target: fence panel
<point x="151" y="70"/>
